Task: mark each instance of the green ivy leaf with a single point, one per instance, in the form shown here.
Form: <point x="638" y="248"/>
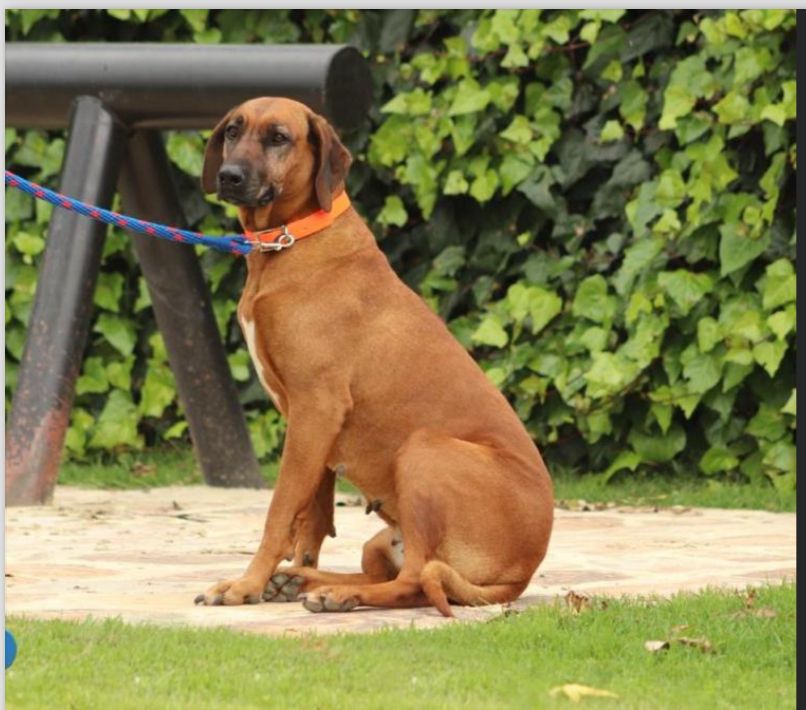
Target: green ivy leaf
<point x="470" y="97"/>
<point x="611" y="131"/>
<point x="769" y="355"/>
<point x="186" y="150"/>
<point x="393" y="212"/>
<point x="708" y="334"/>
<point x="391" y="142"/>
<point x="28" y="244"/>
<point x="782" y="323"/>
<point x="108" y="291"/>
<point x="159" y="390"/>
<point x="663" y="415"/>
<point x="18" y="206"/>
<point x="119" y="373"/>
<point x="633" y="104"/>
<point x="671" y="189"/>
<point x="513" y="170"/>
<point x="688" y="81"/>
<point x="594" y="339"/>
<point x="413" y="103"/>
<point x="658" y="449"/>
<point x="490" y="332"/>
<point x="484" y="186"/>
<point x="117" y="424"/>
<point x="519" y="131"/>
<point x="767" y="423"/>
<point x="779" y="285"/>
<point x="75" y="439"/>
<point x="197" y="19"/>
<point x="239" y="365"/>
<point x="592" y="300"/>
<point x="536" y="302"/>
<point x="422" y="175"/>
<point x="119" y="332"/>
<point x="780" y="457"/>
<point x="625" y="460"/>
<point x="735" y="373"/>
<point x="609" y="373"/>
<point x="685" y="288"/>
<point x="717" y="459"/>
<point x="703" y="372"/>
<point x="737" y="248"/>
<point x="733" y="108"/>
<point x="93" y="377"/>
<point x="176" y="430"/>
<point x="637" y="259"/>
<point x="791" y="405"/>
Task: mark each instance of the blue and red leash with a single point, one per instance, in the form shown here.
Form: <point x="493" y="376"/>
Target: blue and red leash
<point x="231" y="243"/>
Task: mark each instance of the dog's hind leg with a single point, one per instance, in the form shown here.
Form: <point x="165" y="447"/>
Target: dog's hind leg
<point x="315" y="524"/>
<point x="482" y="558"/>
<point x="380" y="562"/>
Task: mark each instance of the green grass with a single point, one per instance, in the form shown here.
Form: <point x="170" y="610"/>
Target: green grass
<point x="664" y="491"/>
<point x="511" y="662"/>
<point x="175" y="465"/>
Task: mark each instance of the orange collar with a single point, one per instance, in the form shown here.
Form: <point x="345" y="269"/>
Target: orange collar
<point x="278" y="238"/>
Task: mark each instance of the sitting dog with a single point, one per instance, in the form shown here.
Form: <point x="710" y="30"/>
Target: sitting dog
<point x="374" y="387"/>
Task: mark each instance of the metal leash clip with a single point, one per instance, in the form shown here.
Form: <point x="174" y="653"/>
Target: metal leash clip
<point x="284" y="241"/>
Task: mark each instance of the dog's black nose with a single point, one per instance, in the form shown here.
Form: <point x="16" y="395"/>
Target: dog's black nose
<point x="231" y="176"/>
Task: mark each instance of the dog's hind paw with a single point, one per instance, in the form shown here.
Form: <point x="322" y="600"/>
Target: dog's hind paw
<point x="282" y="588"/>
<point x="323" y="600"/>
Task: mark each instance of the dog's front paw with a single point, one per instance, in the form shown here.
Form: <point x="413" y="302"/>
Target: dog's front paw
<point x="244" y="590"/>
<point x="331" y="599"/>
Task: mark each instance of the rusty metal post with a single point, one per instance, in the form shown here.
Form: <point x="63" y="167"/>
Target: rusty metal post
<point x="57" y="332"/>
<point x="185" y="318"/>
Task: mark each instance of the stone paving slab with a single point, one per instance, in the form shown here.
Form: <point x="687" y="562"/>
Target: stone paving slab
<point x="142" y="556"/>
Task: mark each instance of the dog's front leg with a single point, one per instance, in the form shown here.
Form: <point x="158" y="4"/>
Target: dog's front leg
<point x="313" y="425"/>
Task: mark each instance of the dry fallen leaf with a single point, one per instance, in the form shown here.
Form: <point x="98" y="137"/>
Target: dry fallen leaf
<point x="703" y="644"/>
<point x="750" y="598"/>
<point x="144" y="469"/>
<point x="655" y="646"/>
<point x="577" y="602"/>
<point x="763" y="612"/>
<point x="575" y="692"/>
<point x="503" y="611"/>
<point x="583" y="506"/>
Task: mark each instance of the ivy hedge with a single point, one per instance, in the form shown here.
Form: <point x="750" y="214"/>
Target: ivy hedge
<point x="600" y="203"/>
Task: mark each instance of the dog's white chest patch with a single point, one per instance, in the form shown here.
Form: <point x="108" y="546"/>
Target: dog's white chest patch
<point x="248" y="328"/>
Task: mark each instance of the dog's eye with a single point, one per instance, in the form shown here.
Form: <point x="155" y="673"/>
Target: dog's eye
<point x="278" y="138"/>
<point x="231" y="132"/>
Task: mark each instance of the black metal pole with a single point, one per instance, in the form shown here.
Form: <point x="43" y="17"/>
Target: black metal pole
<point x="62" y="307"/>
<point x="185" y="318"/>
<point x="181" y="85"/>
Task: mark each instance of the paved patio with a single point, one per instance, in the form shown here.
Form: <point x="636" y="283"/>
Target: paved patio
<point x="143" y="556"/>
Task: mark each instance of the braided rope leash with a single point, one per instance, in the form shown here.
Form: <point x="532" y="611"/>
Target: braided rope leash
<point x="231" y="243"/>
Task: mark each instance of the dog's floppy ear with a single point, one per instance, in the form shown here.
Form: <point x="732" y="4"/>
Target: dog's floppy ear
<point x="332" y="160"/>
<point x="214" y="155"/>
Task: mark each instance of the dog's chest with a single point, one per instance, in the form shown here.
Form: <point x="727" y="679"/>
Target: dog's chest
<point x="248" y="329"/>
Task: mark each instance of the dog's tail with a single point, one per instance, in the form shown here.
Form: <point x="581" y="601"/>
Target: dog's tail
<point x="441" y="582"/>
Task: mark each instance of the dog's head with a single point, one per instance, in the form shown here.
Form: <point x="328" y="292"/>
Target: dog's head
<point x="274" y="156"/>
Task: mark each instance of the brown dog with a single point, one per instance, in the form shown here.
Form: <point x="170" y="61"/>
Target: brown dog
<point x="374" y="387"/>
